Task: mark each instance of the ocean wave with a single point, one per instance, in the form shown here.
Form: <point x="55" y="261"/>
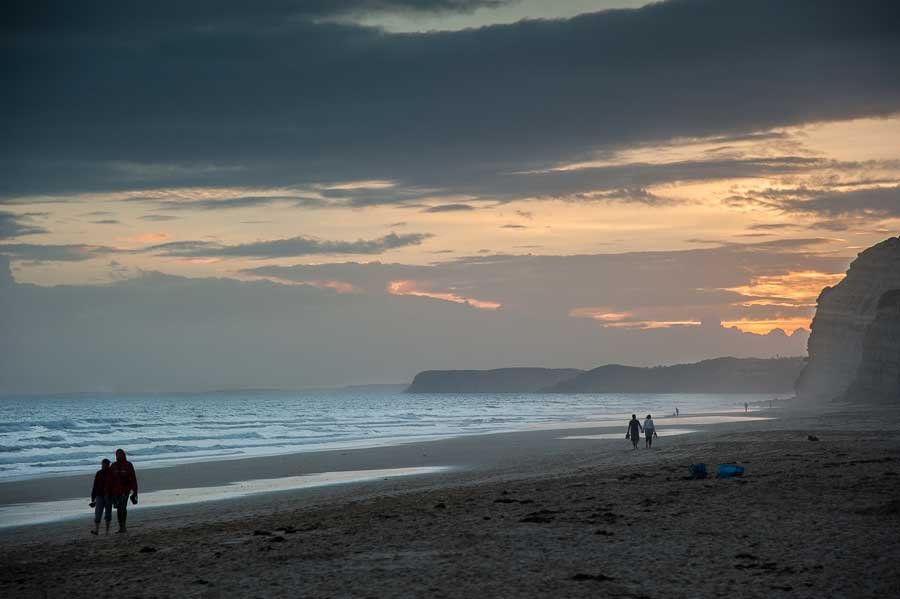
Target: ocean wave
<point x="126" y="442"/>
<point x="13" y="427"/>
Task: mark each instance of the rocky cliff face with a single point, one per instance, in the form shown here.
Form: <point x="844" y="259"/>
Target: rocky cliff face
<point x="878" y="377"/>
<point x="846" y="318"/>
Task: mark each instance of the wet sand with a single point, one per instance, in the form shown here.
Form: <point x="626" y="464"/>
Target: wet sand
<point x="523" y="514"/>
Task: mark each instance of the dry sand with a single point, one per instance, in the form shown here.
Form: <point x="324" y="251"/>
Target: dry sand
<point x="529" y="514"/>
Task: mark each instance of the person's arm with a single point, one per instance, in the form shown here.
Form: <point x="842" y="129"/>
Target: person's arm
<point x="134" y="486"/>
<point x="94" y="492"/>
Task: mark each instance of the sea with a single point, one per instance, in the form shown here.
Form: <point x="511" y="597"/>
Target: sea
<point x="54" y="435"/>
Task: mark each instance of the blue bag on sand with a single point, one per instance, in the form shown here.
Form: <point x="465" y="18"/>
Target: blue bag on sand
<point x="729" y="470"/>
<point x="698" y="471"/>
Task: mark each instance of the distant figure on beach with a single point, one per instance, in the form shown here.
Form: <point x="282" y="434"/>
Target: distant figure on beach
<point x="100" y="499"/>
<point x="122" y="483"/>
<point x="746" y="408"/>
<point x="676" y="411"/>
<point x="634" y="430"/>
<point x="649" y="431"/>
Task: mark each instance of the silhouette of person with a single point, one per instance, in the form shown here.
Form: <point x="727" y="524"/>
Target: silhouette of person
<point x="122" y="482"/>
<point x="676" y="411"/>
<point x="634" y="430"/>
<point x="746" y="408"/>
<point x="649" y="431"/>
<point x="100" y="499"/>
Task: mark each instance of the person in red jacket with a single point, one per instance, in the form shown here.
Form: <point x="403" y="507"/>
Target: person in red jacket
<point x="100" y="499"/>
<point x="122" y="483"/>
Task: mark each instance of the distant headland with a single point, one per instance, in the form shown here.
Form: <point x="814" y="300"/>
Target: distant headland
<point x="718" y="375"/>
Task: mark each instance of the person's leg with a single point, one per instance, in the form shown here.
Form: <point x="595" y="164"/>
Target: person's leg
<point x="107" y="503"/>
<point x="122" y="511"/>
<point x="98" y="511"/>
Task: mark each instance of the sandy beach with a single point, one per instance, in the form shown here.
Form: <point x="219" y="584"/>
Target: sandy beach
<point x="516" y="514"/>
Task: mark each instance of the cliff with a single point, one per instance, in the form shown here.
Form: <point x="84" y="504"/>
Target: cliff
<point x="878" y="377"/>
<point x="845" y="321"/>
<point x="720" y="375"/>
<point x="501" y="380"/>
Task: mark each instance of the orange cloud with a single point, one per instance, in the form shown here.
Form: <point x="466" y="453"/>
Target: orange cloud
<point x="626" y="320"/>
<point x="406" y="287"/>
<point x="800" y="288"/>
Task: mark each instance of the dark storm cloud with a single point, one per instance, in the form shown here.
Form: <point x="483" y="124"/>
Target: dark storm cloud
<point x="15" y="225"/>
<point x="272" y="96"/>
<point x="286" y="248"/>
<point x="881" y="202"/>
<point x="88" y="16"/>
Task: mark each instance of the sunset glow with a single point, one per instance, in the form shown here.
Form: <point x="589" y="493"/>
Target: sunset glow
<point x="411" y="288"/>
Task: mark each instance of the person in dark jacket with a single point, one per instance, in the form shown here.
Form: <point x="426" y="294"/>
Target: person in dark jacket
<point x="122" y="483"/>
<point x="100" y="499"/>
<point x="634" y="430"/>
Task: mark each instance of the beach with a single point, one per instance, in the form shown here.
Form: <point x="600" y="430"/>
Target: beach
<point x="515" y="514"/>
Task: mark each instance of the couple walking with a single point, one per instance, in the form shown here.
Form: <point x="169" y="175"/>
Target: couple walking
<point x="113" y="484"/>
<point x="635" y="429"/>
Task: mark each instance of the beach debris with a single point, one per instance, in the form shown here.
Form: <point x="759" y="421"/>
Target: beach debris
<point x="288" y="529"/>
<point x="440" y="506"/>
<point x="596" y="577"/>
<point x="697" y="471"/>
<point x="148" y="549"/>
<point x="811" y="438"/>
<point x="261" y="533"/>
<point x="729" y="471"/>
<point x="277" y="539"/>
<point x="604" y="533"/>
<point x="201" y="581"/>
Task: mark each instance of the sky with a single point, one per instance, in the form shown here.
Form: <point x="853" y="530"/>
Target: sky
<point x="309" y="193"/>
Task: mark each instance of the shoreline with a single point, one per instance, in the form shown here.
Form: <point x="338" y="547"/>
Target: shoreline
<point x="540" y="516"/>
<point x="448" y="451"/>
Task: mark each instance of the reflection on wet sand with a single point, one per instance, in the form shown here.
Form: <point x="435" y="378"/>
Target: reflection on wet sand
<point x="49" y="511"/>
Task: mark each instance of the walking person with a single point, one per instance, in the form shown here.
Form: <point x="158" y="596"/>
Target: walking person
<point x="649" y="431"/>
<point x="100" y="499"/>
<point x="122" y="483"/>
<point x="746" y="408"/>
<point x="634" y="430"/>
